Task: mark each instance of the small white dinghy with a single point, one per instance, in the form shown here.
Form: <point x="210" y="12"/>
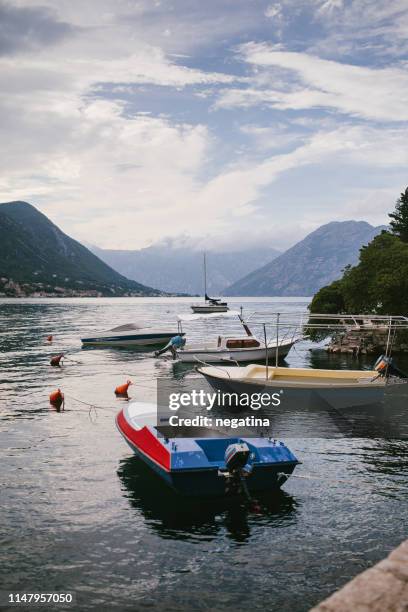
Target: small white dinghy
<point x="132" y="334"/>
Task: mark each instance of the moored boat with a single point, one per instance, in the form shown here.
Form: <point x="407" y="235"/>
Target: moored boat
<point x="131" y="334"/>
<point x="206" y="466"/>
<point x="237" y="349"/>
<point x="210" y="305"/>
<point x="234" y="348"/>
<point x="301" y="387"/>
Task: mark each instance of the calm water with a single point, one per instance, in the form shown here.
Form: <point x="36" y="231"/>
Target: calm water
<point x="79" y="513"/>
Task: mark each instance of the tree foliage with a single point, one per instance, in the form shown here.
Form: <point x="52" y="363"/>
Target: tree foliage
<point x="399" y="218"/>
<point x="329" y="299"/>
<point x="378" y="284"/>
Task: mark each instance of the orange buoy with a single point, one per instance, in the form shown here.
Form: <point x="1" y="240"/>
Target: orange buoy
<point x="123" y="389"/>
<point x="50" y="338"/>
<point x="55" y="361"/>
<point x="57" y="398"/>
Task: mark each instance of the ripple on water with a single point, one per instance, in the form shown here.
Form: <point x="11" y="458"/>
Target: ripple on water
<point x="79" y="512"/>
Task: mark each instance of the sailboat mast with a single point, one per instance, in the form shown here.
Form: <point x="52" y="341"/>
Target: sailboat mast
<point x="205" y="277"/>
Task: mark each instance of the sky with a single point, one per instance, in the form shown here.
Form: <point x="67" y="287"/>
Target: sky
<point x="221" y="124"/>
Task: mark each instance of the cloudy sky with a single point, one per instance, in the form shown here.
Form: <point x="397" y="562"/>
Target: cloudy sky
<point x="224" y="122"/>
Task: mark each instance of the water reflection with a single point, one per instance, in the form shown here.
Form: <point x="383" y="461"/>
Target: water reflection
<point x="176" y="517"/>
<point x="112" y="545"/>
<point x="388" y="418"/>
<point x="386" y="457"/>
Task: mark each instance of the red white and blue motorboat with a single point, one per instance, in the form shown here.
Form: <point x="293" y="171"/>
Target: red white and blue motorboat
<point x="206" y="466"/>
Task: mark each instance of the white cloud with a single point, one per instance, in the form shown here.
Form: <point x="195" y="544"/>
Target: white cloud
<point x="124" y="181"/>
<point x="356" y="27"/>
<point x="110" y="175"/>
<point x="116" y="177"/>
<point x="88" y="161"/>
<point x="274" y="11"/>
<point x="271" y="137"/>
<point x="379" y="94"/>
<point x="329" y="7"/>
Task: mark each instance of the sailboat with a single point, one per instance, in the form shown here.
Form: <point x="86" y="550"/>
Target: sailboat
<point x="210" y="304"/>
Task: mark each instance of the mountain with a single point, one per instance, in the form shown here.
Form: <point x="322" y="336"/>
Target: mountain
<point x="180" y="268"/>
<point x="36" y="257"/>
<point x="313" y="262"/>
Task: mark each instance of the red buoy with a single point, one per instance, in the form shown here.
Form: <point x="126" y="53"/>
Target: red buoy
<point x="56" y="398"/>
<point x="55" y="361"/>
<point x="123" y="389"/>
<point x="50" y="338"/>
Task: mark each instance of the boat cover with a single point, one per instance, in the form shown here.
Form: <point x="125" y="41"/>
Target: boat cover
<point x="128" y="327"/>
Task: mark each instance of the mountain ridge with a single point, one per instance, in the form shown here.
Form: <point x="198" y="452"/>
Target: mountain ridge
<point x="311" y="263"/>
<point x="36" y="257"/>
<point x="180" y="269"/>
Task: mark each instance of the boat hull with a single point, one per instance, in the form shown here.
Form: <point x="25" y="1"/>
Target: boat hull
<point x="129" y="340"/>
<point x="296" y="396"/>
<point x="207" y="483"/>
<point x="245" y="355"/>
<point x="208" y="309"/>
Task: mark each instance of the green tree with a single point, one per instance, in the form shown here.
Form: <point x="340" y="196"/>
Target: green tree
<point x="329" y="299"/>
<point x="379" y="282"/>
<point x="399" y="223"/>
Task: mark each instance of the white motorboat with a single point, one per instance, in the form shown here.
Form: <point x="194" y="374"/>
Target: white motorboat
<point x="210" y="305"/>
<point x="301" y="387"/>
<point x="234" y="348"/>
<point x="132" y="334"/>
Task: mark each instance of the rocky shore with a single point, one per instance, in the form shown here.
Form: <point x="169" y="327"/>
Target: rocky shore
<point x="365" y="342"/>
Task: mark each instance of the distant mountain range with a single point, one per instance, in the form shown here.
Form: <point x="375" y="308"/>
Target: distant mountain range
<point x="36" y="257"/>
<point x="180" y="269"/>
<point x="310" y="264"/>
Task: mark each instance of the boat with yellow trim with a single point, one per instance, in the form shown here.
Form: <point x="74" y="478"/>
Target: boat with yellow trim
<point x="301" y="387"/>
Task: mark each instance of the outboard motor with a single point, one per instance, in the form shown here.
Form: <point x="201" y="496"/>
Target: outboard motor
<point x="385" y="367"/>
<point x="238" y="469"/>
<point x="176" y="342"/>
<point x="236" y="456"/>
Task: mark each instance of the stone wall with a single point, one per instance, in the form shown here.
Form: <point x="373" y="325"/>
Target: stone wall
<point x="383" y="588"/>
<point x="367" y="342"/>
